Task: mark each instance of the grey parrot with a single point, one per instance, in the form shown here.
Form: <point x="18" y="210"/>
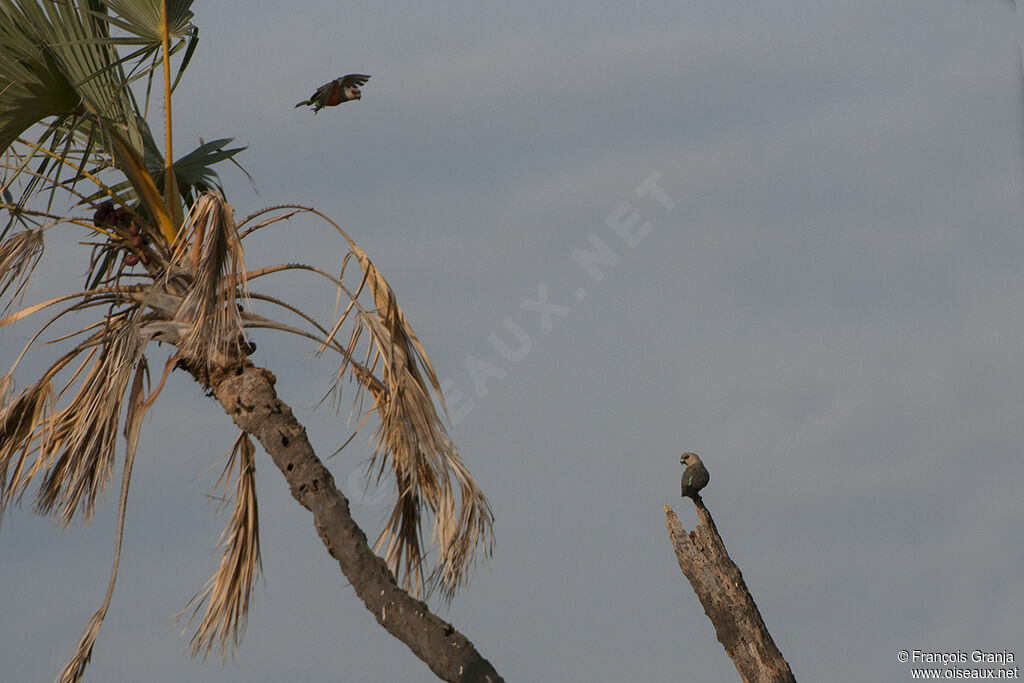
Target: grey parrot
<point x="695" y="476"/>
<point x="343" y="89"/>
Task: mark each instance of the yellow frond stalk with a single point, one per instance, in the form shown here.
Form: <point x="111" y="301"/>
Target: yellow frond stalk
<point x="170" y="180"/>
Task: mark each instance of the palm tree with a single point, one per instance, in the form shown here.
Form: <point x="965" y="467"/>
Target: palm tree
<point x="166" y="264"/>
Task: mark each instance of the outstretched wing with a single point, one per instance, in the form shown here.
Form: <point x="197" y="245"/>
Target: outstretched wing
<point x="322" y="92"/>
<point x="352" y="80"/>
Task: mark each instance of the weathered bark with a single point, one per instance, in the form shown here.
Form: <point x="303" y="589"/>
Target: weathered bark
<point x="248" y="395"/>
<point x="718" y="583"/>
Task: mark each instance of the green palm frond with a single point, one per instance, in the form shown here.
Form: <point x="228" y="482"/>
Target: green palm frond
<point x="60" y="67"/>
<point x="57" y="60"/>
<point x="194" y="171"/>
<point x="33" y="85"/>
<point x="144" y="19"/>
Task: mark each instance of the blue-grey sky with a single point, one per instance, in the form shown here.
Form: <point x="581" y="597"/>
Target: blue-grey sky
<point x="824" y="299"/>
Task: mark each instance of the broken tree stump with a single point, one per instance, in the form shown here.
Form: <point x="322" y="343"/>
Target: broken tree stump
<point x="719" y="585"/>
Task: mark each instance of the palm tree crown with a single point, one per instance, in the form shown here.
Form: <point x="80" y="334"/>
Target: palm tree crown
<point x="166" y="264"/>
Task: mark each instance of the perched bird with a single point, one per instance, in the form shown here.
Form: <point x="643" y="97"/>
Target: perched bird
<point x="695" y="476"/>
<point x="337" y="91"/>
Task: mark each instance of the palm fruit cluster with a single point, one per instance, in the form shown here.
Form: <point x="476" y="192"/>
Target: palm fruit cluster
<point x="123" y="223"/>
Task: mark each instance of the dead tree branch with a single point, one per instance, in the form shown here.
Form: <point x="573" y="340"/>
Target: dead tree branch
<point x="718" y="583"/>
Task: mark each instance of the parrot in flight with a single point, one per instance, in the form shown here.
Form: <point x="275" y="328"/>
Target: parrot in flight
<point x="337" y="91"/>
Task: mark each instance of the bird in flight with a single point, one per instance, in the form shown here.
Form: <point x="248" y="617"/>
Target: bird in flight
<point x="337" y="91"/>
<point x="695" y="476"/>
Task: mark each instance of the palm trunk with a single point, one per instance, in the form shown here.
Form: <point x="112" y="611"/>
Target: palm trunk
<point x="247" y="394"/>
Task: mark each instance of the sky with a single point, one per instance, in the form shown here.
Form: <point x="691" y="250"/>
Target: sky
<point x="810" y="219"/>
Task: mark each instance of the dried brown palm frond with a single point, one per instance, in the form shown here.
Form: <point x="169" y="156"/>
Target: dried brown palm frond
<point x="6" y="391"/>
<point x="85" y="432"/>
<point x="31" y="425"/>
<point x="228" y="592"/>
<point x="459" y="536"/>
<point x="188" y="297"/>
<point x="411" y="439"/>
<point x="384" y="358"/>
<point x="138" y="405"/>
<point x="218" y="267"/>
<point x="425" y="463"/>
<point x="19" y="420"/>
<point x="19" y="255"/>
